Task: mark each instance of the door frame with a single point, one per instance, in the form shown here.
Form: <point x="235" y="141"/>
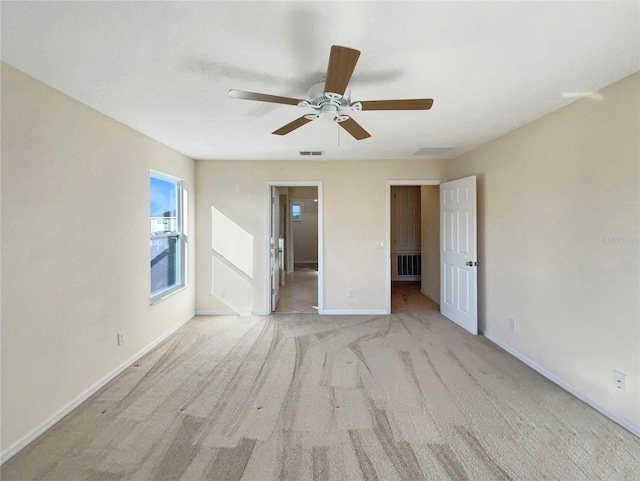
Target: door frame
<point x="391" y="183"/>
<point x="294" y="183"/>
<point x="274" y="247"/>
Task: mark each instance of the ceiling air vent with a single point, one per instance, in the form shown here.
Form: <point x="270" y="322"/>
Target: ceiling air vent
<point x="311" y="153"/>
<point x="434" y="151"/>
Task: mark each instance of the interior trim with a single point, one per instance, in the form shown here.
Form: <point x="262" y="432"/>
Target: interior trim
<point x="437" y="301"/>
<point x="218" y="313"/>
<point x="387" y="227"/>
<point x="294" y="183"/>
<point x="354" y="312"/>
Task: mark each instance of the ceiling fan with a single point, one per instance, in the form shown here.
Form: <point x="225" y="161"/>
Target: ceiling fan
<point x="331" y="96"/>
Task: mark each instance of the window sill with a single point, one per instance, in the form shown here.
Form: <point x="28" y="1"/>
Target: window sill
<point x="166" y="294"/>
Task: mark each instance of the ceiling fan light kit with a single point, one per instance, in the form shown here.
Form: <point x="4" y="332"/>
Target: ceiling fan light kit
<point x="331" y="97"/>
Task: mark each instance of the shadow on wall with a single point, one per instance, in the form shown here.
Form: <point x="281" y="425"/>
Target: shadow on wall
<point x="231" y="263"/>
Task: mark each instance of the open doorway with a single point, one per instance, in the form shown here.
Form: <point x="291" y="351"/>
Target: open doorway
<point x="413" y="268"/>
<point x="295" y="251"/>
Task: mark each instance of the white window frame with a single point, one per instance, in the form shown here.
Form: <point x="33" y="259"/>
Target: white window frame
<point x="180" y="233"/>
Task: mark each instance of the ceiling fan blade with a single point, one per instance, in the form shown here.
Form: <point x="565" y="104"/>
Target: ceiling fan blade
<point x="241" y="94"/>
<point x="291" y="126"/>
<point x="354" y="129"/>
<point x="406" y="104"/>
<point x="342" y="62"/>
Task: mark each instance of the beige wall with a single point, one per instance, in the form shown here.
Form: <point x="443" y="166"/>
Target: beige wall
<point x="430" y="241"/>
<point x="298" y="193"/>
<point x="75" y="250"/>
<point x="355" y="198"/>
<point x="558" y="214"/>
<point x="305" y="232"/>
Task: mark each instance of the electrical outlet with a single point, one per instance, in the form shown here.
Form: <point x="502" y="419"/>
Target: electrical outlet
<point x="619" y="380"/>
<point x="350" y="293"/>
<point x="380" y="244"/>
<point x="512" y="324"/>
<point x="120" y="338"/>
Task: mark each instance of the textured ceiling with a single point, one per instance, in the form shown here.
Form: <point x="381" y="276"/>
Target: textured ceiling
<point x="164" y="68"/>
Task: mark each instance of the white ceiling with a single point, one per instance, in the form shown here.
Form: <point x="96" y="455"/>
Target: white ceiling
<point x="164" y="68"/>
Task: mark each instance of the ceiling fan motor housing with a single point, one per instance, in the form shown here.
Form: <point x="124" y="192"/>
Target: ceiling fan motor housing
<point x="326" y="102"/>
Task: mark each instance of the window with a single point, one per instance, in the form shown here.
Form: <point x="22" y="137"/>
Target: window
<point x="167" y="214"/>
<point x="295" y="211"/>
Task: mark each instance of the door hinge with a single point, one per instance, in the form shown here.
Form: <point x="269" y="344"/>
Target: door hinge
<point x="273" y="291"/>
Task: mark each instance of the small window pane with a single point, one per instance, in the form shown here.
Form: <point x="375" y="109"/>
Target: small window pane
<point x="295" y="209"/>
<point x="163" y="206"/>
<point x="164" y="263"/>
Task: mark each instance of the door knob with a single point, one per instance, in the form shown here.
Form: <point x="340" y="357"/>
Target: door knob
<point x="468" y="263"/>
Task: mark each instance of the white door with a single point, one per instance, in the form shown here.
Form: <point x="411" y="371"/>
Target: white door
<point x="458" y="253"/>
<point x="275" y="247"/>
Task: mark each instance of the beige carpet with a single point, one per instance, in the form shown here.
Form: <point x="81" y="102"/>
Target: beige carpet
<point x="301" y="397"/>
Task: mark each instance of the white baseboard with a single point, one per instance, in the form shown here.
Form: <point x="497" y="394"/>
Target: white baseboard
<point x="20" y="444"/>
<point x="354" y="312"/>
<point x="555" y="379"/>
<point x="437" y="301"/>
<point x="216" y="313"/>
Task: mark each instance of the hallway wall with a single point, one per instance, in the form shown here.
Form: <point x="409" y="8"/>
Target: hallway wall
<point x="305" y="232"/>
<point x="430" y="241"/>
